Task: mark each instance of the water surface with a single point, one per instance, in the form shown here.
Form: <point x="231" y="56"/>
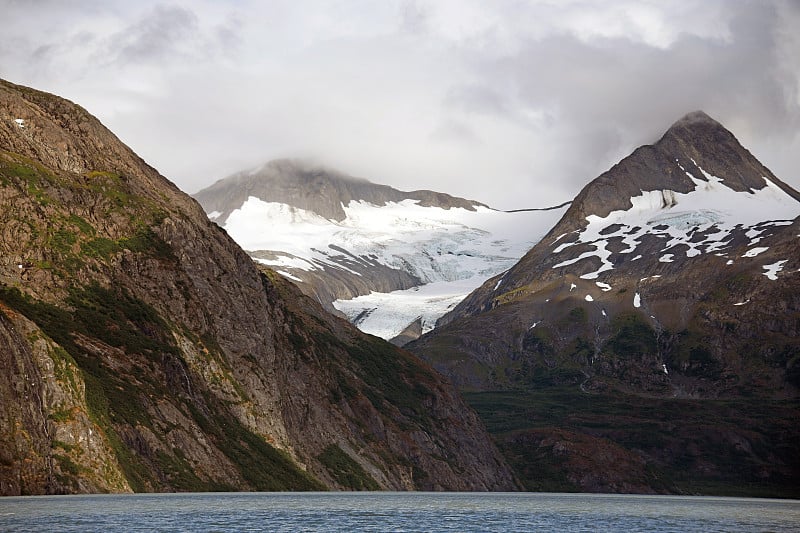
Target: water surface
<point x="347" y="512"/>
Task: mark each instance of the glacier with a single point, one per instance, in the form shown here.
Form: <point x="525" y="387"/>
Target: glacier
<point x="450" y="252"/>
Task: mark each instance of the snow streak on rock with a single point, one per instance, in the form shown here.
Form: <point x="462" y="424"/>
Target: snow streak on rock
<point x="701" y="221"/>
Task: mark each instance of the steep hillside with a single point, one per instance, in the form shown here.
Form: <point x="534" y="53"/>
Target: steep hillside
<point x="143" y="350"/>
<point x="675" y="275"/>
<point x="384" y="258"/>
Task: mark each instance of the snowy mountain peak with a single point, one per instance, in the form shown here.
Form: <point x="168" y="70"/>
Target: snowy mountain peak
<point x="310" y="187"/>
<point x="694" y="197"/>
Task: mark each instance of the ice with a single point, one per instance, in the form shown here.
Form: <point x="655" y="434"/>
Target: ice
<point x="773" y="269"/>
<point x="431" y="243"/>
<point x="393" y="311"/>
<point x="451" y="251"/>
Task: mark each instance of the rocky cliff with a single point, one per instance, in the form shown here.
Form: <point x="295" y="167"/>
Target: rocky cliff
<point x="143" y="350"/>
<point x="674" y="277"/>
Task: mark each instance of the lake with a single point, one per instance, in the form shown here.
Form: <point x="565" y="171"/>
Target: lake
<point x="501" y="512"/>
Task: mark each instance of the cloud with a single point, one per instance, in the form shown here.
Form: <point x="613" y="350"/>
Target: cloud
<point x="510" y="103"/>
<point x="156" y="36"/>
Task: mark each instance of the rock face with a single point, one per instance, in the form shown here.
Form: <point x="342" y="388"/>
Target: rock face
<point x="143" y="350"/>
<point x="674" y="275"/>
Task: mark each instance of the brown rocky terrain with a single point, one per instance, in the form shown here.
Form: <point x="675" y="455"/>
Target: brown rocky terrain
<point x="143" y="350"/>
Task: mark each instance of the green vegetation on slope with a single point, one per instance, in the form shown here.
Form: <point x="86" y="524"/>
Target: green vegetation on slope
<point x="348" y="473"/>
<point x="117" y="398"/>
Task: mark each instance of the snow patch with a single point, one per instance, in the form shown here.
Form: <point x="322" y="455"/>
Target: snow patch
<point x="572" y="287"/>
<point x="287" y="275"/>
<point x="773" y="269"/>
<point x="589" y="298"/>
<point x="637" y="300"/>
<point x="287" y="261"/>
<point x="214" y="215"/>
<point x="20" y="122"/>
<point x="743" y="303"/>
<point x="666" y="258"/>
<point x="605" y="287"/>
<point x="712" y="211"/>
<point x="752" y="252"/>
<point x="499" y="281"/>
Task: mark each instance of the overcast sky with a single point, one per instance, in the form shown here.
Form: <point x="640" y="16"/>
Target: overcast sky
<point x="512" y="103"/>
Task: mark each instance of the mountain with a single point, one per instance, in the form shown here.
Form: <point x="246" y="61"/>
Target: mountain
<point x="666" y="298"/>
<point x="141" y="349"/>
<point x="311" y="188"/>
<point x="384" y="258"/>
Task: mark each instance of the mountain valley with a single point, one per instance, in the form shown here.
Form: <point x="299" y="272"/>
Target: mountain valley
<point x="642" y="338"/>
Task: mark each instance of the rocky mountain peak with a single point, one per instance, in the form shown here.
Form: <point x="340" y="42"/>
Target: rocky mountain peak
<point x="694" y="119"/>
<point x="674" y="275"/>
<point x="692" y="148"/>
